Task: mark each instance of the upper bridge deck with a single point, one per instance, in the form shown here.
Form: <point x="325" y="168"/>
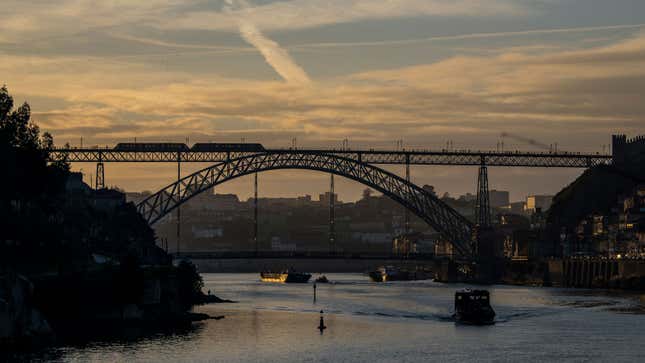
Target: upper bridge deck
<point x="209" y="153"/>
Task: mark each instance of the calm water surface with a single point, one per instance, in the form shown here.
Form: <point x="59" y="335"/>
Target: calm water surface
<point x="391" y="322"/>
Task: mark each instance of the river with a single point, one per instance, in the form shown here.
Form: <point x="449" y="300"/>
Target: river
<point x="384" y="322"/>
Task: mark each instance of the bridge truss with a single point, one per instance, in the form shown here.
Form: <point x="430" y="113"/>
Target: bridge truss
<point x="411" y="157"/>
<point x="455" y="228"/>
<point x="353" y="164"/>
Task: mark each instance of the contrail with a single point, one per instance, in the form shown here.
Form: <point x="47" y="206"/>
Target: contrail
<point x="469" y="36"/>
<point x="278" y="58"/>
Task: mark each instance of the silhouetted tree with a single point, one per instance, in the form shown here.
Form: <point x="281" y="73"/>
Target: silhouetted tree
<point x="24" y="155"/>
<point x="190" y="284"/>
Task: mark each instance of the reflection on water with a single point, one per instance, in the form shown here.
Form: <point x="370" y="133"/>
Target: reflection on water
<point x="399" y="321"/>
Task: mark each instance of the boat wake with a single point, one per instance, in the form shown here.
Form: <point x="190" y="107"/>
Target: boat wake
<point x="434" y="317"/>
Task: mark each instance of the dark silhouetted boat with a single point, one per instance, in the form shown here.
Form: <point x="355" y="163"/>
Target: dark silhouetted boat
<point x="388" y="273"/>
<point x="473" y="307"/>
<point x="392" y="273"/>
<point x="322" y="279"/>
<point x="287" y="276"/>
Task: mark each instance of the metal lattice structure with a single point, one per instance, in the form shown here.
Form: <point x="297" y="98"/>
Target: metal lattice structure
<point x="482" y="206"/>
<point x="455" y="228"/>
<point x="100" y="176"/>
<point x="412" y="157"/>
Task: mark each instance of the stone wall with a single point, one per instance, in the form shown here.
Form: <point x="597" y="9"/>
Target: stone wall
<point x="597" y="273"/>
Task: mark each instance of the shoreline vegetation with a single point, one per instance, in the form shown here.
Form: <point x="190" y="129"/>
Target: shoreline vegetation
<point x="74" y="260"/>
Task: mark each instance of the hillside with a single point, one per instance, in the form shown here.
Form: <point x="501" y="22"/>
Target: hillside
<point x="595" y="191"/>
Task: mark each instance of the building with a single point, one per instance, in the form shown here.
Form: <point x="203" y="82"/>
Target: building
<point x="373" y="237"/>
<point x="108" y="199"/>
<point x="77" y="191"/>
<point x="324" y="198"/>
<point x="136" y="197"/>
<point x="528" y="244"/>
<point x="403" y="245"/>
<point x="206" y="232"/>
<point x="498" y="198"/>
<point x="278" y="245"/>
<point x="443" y="248"/>
<point x="619" y="232"/>
<point x="224" y="202"/>
<point x="628" y="152"/>
<point x="468" y="197"/>
<point x="303" y="201"/>
<point x="430" y="189"/>
<point x="515" y="208"/>
<point x="415" y="243"/>
<point x="75" y="184"/>
<point x="535" y="202"/>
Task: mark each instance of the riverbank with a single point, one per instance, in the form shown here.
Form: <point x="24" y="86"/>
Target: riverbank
<point x="602" y="273"/>
<point x="45" y="308"/>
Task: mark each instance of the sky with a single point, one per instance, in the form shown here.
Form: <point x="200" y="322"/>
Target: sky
<point x="570" y="72"/>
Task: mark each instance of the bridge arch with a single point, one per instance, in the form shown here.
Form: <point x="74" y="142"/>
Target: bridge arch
<point x="455" y="227"/>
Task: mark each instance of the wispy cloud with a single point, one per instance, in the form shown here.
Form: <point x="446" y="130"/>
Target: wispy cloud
<point x="299" y="14"/>
<point x="484" y="35"/>
<point x="167" y="44"/>
<point x="275" y="56"/>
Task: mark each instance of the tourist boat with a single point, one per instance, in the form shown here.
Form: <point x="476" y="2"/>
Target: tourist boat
<point x="287" y="276"/>
<point x="473" y="307"/>
<point x="389" y="273"/>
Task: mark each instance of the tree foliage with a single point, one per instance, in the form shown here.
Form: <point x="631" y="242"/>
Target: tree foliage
<point x="190" y="283"/>
<point x="43" y="224"/>
<point x="24" y="155"/>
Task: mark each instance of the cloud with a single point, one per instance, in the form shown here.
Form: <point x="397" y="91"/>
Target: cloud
<point x="68" y="18"/>
<point x="470" y="99"/>
<point x="274" y="55"/>
<point x="470" y="36"/>
<point x="299" y="14"/>
<point x="162" y="43"/>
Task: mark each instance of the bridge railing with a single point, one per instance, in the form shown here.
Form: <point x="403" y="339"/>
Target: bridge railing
<point x="107" y="148"/>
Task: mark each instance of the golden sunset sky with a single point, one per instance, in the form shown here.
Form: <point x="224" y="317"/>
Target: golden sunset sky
<point x="570" y="72"/>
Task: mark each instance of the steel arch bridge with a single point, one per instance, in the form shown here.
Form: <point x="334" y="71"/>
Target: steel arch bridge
<point x="454" y="227"/>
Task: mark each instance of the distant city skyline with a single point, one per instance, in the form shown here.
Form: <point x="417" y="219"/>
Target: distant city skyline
<point x="315" y="195"/>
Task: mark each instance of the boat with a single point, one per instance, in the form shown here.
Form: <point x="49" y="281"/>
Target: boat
<point x="392" y="273"/>
<point x="389" y="273"/>
<point x="322" y="279"/>
<point x="473" y="307"/>
<point x="287" y="276"/>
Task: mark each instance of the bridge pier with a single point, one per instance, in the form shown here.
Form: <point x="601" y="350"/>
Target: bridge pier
<point x="100" y="176"/>
<point x="255" y="213"/>
<point x="332" y="227"/>
<point x="407" y="179"/>
<point x="179" y="206"/>
<point x="482" y="207"/>
<point x="100" y="173"/>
